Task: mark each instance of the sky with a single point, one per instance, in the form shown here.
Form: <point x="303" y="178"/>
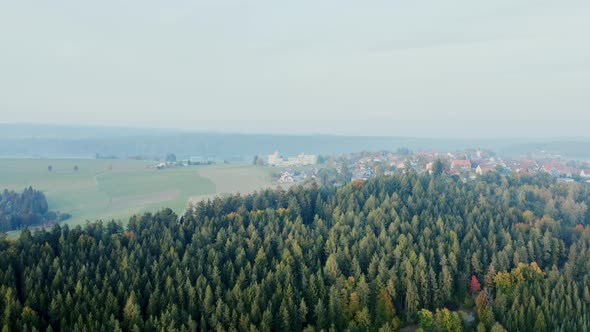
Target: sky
<point x="420" y="68"/>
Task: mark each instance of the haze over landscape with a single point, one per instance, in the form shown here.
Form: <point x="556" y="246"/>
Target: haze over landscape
<point x="316" y="166"/>
<point x="388" y="68"/>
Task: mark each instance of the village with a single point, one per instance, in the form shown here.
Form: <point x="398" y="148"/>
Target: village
<point x="466" y="164"/>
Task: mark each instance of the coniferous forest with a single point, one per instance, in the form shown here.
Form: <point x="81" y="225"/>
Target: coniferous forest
<point x="432" y="252"/>
<point x="25" y="210"/>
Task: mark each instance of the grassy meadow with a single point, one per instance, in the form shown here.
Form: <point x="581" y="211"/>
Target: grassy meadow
<point x="117" y="189"/>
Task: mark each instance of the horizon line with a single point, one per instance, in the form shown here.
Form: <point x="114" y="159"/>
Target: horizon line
<point x="179" y="130"/>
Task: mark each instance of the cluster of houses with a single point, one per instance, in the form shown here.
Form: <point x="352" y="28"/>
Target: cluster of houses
<point x="467" y="164"/>
<point x="362" y="173"/>
<point x="292" y="176"/>
<point x="363" y="166"/>
<point x="562" y="170"/>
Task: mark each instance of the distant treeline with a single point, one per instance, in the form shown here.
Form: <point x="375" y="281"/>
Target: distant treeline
<point x="27" y="209"/>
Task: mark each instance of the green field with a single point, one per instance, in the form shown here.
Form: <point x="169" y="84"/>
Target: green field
<point x="117" y="189"/>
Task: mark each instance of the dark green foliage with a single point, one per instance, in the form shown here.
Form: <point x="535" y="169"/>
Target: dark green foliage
<point x="27" y="209"/>
<point x="438" y="167"/>
<point x="359" y="258"/>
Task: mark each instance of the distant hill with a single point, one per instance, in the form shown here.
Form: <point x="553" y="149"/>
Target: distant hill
<point x="570" y="148"/>
<point x="85" y="142"/>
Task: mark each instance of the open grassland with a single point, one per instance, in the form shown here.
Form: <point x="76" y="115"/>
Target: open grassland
<point x="117" y="189"/>
<point x="233" y="179"/>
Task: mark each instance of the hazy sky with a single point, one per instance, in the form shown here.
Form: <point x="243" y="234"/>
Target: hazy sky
<point x="419" y="68"/>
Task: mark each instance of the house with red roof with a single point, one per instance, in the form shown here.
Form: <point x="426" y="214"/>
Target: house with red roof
<point x="484" y="169"/>
<point x="460" y="164"/>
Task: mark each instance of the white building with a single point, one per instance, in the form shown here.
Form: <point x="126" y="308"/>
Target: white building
<point x="302" y="159"/>
<point x="275" y="159"/>
<point x="286" y="177"/>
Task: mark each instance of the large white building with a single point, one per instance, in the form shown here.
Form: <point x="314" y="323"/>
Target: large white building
<point x="302" y="159"/>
